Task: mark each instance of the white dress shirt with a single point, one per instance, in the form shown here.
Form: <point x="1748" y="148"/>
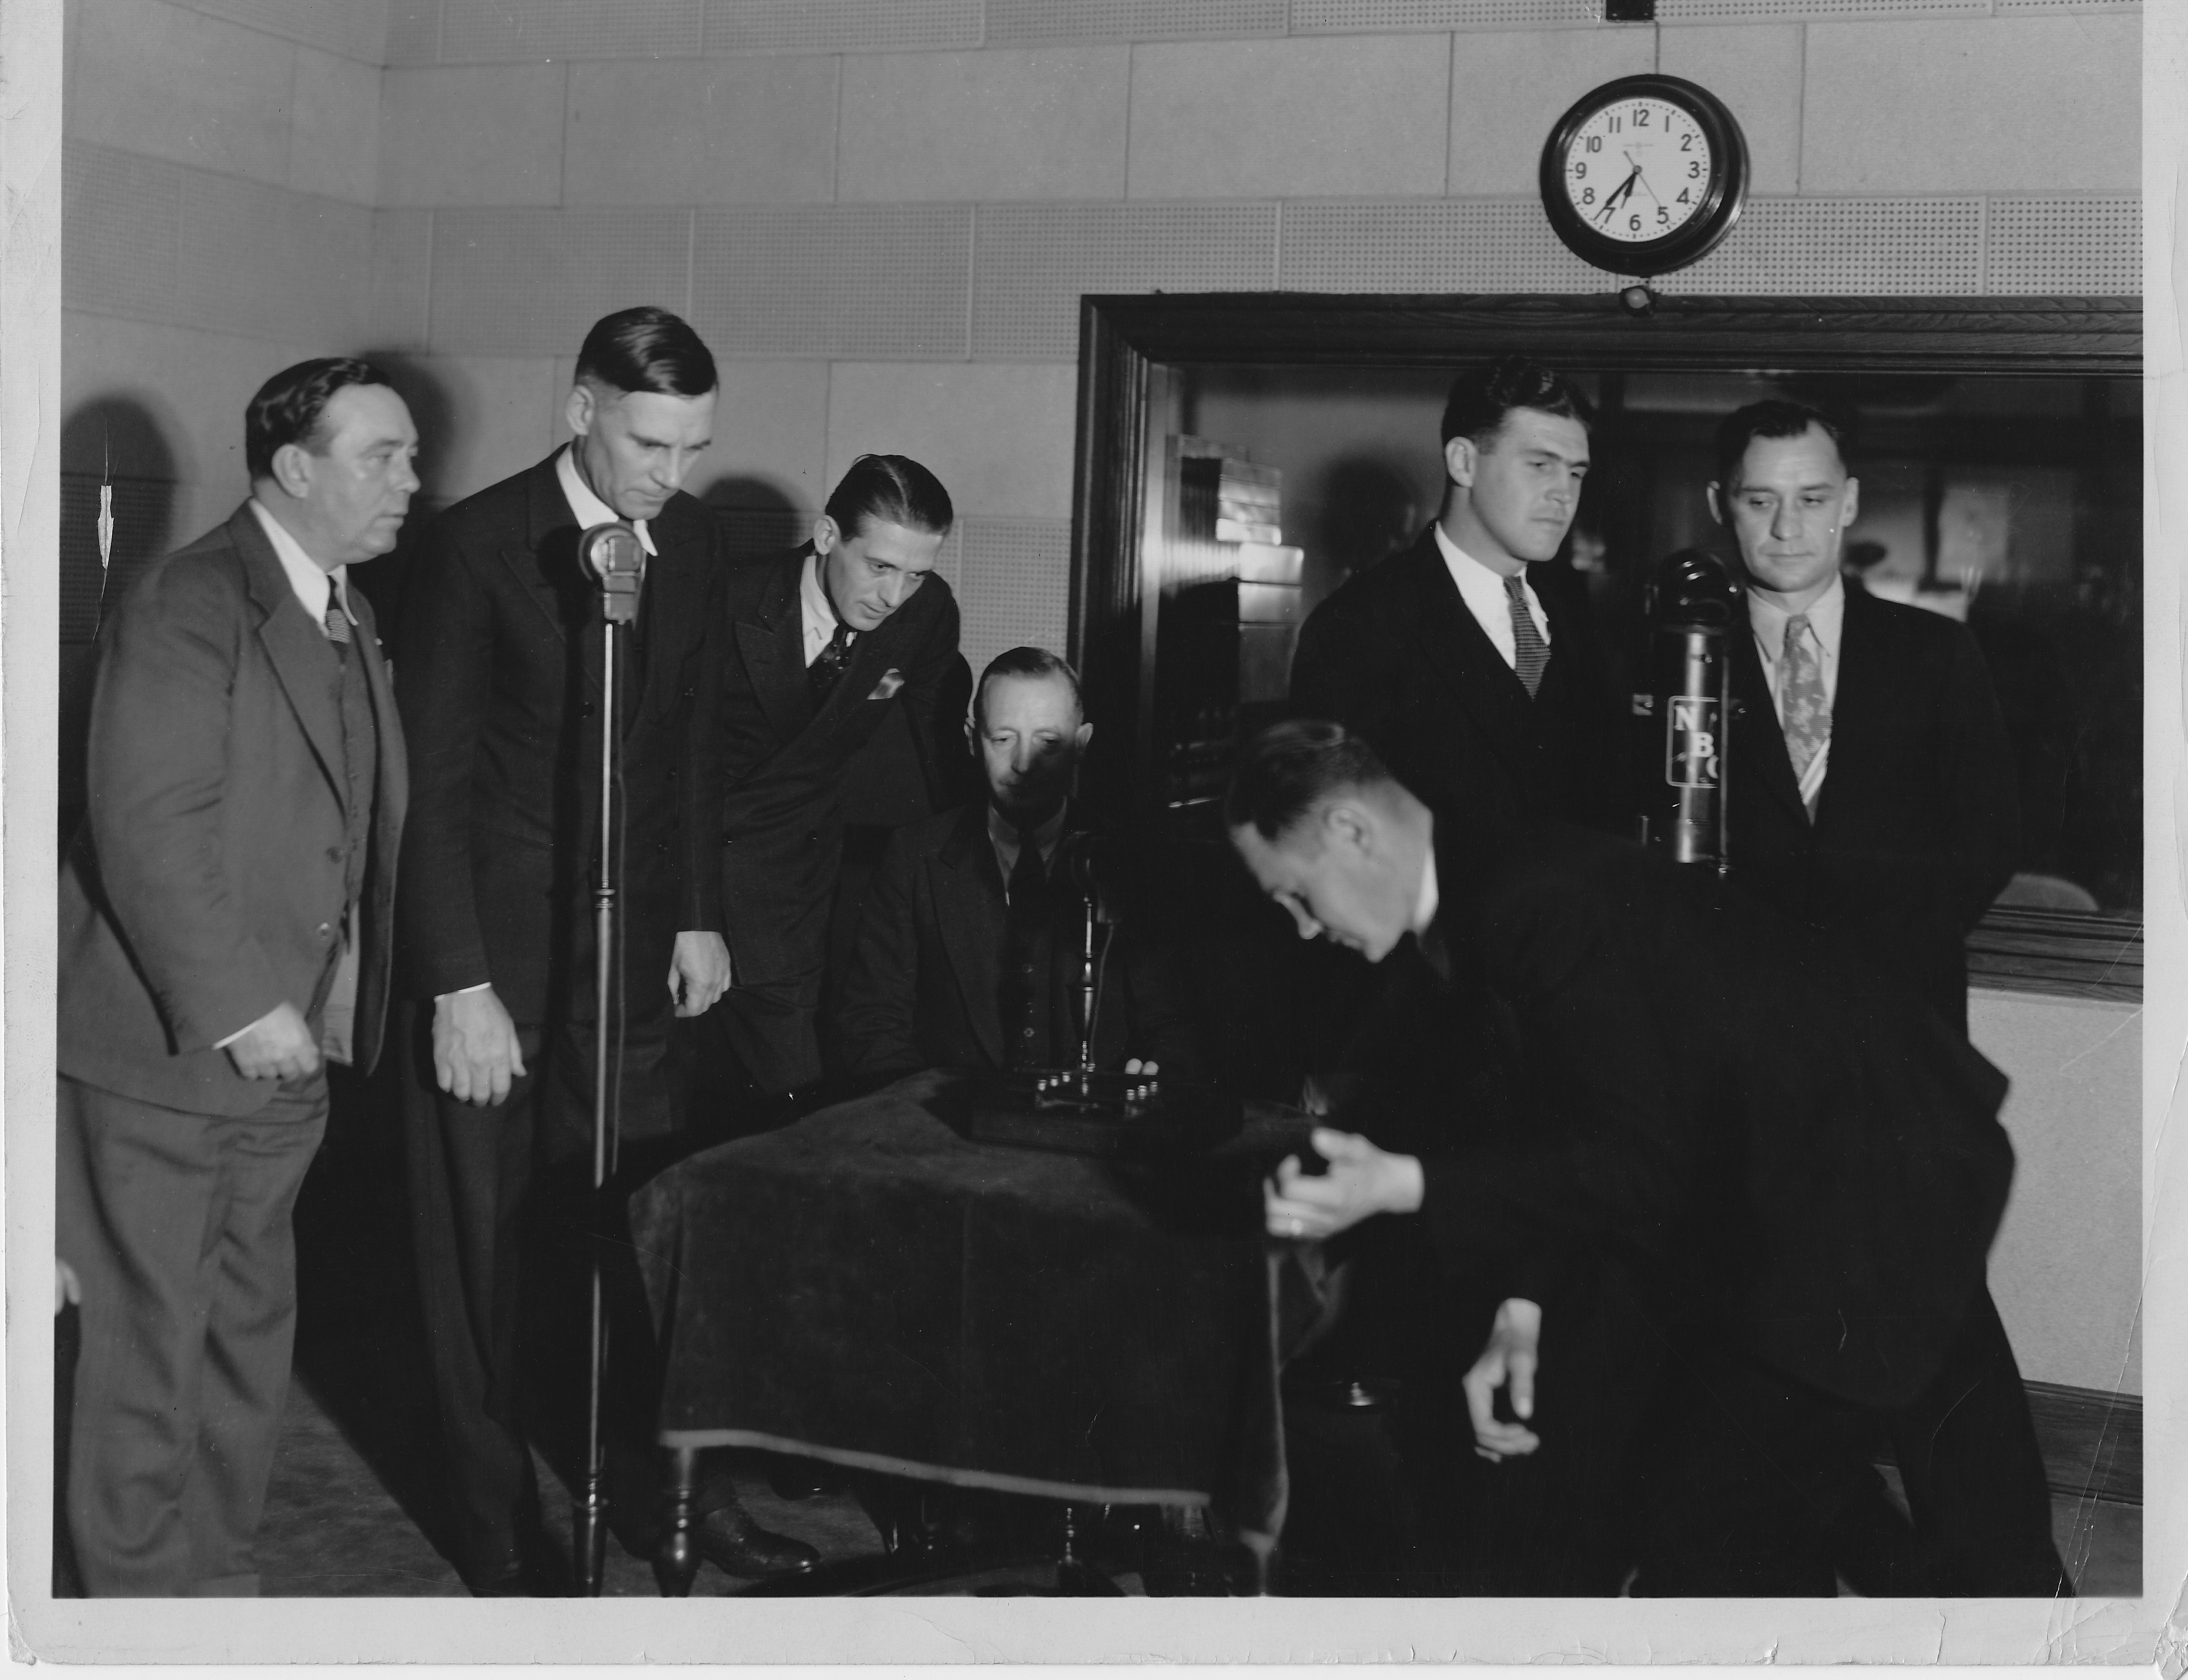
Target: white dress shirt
<point x="1004" y="837"/>
<point x="310" y="581"/>
<point x="1483" y="592"/>
<point x="816" y="612"/>
<point x="589" y="508"/>
<point x="1826" y="627"/>
<point x="1424" y="911"/>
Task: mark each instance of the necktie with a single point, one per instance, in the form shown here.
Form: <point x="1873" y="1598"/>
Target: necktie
<point x="337" y="625"/>
<point x="828" y="664"/>
<point x="1530" y="652"/>
<point x="1026" y="987"/>
<point x="1805" y="713"/>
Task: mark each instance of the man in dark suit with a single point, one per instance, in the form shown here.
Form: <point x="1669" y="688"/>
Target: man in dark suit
<point x="225" y="922"/>
<point x="970" y="951"/>
<point x="1877" y="803"/>
<point x="1790" y="1185"/>
<point x="502" y="695"/>
<point x="1877" y="807"/>
<point x="817" y="646"/>
<point x="1467" y="661"/>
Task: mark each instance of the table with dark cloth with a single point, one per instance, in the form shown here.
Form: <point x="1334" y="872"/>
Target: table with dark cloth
<point x="869" y="1287"/>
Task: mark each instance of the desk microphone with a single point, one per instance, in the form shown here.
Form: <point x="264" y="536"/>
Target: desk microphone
<point x="613" y="553"/>
<point x="1089" y="863"/>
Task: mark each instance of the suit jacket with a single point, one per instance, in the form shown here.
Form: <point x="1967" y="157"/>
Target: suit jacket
<point x="208" y="884"/>
<point x="1394" y="655"/>
<point x="781" y="763"/>
<point x="1917" y="826"/>
<point x="923" y="988"/>
<point x="501" y="691"/>
<point x="1777" y="1150"/>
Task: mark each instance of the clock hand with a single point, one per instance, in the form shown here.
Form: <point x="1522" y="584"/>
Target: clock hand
<point x="1618" y="195"/>
<point x="1642" y="180"/>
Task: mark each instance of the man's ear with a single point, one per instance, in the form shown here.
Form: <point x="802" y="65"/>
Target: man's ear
<point x="292" y="469"/>
<point x="1851" y="511"/>
<point x="579" y="407"/>
<point x="826" y="534"/>
<point x="1345" y="824"/>
<point x="1084" y="734"/>
<point x="1459" y="456"/>
<point x="1716" y="503"/>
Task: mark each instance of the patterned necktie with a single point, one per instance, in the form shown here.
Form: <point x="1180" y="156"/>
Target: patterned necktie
<point x="828" y="664"/>
<point x="1530" y="652"/>
<point x="1806" y="711"/>
<point x="337" y="625"/>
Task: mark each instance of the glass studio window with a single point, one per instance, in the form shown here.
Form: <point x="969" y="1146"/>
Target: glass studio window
<point x="1998" y="441"/>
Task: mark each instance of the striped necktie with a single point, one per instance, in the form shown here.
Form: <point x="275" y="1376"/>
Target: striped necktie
<point x="1530" y="652"/>
<point x="337" y="624"/>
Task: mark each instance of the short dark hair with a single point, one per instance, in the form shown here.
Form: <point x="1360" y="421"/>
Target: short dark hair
<point x="1290" y="769"/>
<point x="290" y="407"/>
<point x="648" y="349"/>
<point x="1482" y="397"/>
<point x="1773" y="417"/>
<point x="894" y="489"/>
<point x="1026" y="661"/>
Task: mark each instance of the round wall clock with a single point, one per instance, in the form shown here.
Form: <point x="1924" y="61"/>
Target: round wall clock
<point x="1644" y="175"/>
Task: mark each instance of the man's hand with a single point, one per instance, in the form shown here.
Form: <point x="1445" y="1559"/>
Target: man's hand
<point x="474" y="1052"/>
<point x="1361" y="1181"/>
<point x="1507" y="1356"/>
<point x="278" y="1046"/>
<point x="699" y="972"/>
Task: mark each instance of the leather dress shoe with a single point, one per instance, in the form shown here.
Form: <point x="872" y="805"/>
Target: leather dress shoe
<point x="736" y="1545"/>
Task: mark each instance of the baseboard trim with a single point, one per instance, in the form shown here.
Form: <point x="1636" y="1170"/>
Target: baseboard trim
<point x="2091" y="1439"/>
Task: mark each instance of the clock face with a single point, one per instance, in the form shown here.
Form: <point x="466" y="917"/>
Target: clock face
<point x="1644" y="175"/>
<point x="1638" y="170"/>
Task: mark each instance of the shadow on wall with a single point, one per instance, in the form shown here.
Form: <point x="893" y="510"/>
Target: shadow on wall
<point x="759" y="518"/>
<point x="1369" y="508"/>
<point x="432" y="408"/>
<point x="113" y="438"/>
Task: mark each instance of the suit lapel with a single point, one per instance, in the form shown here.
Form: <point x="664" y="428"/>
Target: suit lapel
<point x="1758" y="757"/>
<point x="1864" y="708"/>
<point x="545" y="562"/>
<point x="392" y="793"/>
<point x="295" y="647"/>
<point x="772" y="645"/>
<point x="1455" y="646"/>
<point x="968" y="898"/>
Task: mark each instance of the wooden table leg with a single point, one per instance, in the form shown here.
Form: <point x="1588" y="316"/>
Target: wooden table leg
<point x="676" y="1560"/>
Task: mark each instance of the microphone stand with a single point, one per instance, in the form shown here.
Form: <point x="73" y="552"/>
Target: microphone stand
<point x="619" y="609"/>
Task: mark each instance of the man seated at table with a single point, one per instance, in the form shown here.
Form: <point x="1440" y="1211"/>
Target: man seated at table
<point x="971" y="949"/>
<point x="1650" y="1133"/>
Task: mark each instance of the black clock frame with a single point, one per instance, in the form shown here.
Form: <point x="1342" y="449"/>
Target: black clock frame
<point x="1700" y="234"/>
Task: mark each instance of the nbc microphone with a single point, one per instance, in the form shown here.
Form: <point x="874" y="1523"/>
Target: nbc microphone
<point x="1692" y="607"/>
<point x="613" y="553"/>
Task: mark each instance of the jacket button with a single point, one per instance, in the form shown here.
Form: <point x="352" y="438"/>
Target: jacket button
<point x="326" y="930"/>
<point x="691" y="693"/>
<point x="661" y="845"/>
<point x="585" y="709"/>
<point x="334" y="854"/>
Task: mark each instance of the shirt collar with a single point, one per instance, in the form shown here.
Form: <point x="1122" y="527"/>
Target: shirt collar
<point x="309" y="580"/>
<point x="1826" y="619"/>
<point x="1003" y="834"/>
<point x="1424" y="909"/>
<point x="589" y="508"/>
<point x="820" y="611"/>
<point x="1481" y="585"/>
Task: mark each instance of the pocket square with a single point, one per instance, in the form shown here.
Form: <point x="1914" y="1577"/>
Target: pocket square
<point x="892" y="680"/>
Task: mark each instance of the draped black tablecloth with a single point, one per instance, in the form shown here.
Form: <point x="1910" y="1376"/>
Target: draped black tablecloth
<point x="869" y="1287"/>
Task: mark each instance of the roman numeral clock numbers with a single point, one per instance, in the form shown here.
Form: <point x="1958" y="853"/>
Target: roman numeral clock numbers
<point x="1644" y="175"/>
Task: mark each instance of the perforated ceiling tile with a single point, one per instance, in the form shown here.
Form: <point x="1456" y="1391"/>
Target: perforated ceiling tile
<point x="269" y="263"/>
<point x="1758" y="11"/>
<point x="1428" y="245"/>
<point x="414" y="32"/>
<point x="871" y="280"/>
<point x="1014" y="588"/>
<point x="1034" y="261"/>
<point x="840" y="25"/>
<point x="2090" y="247"/>
<point x="1838" y="246"/>
<point x="121" y="218"/>
<point x="2010" y="6"/>
<point x="485" y="32"/>
<point x="1339" y="16"/>
<point x="356" y="29"/>
<point x="1021" y="22"/>
<point x="530" y="282"/>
